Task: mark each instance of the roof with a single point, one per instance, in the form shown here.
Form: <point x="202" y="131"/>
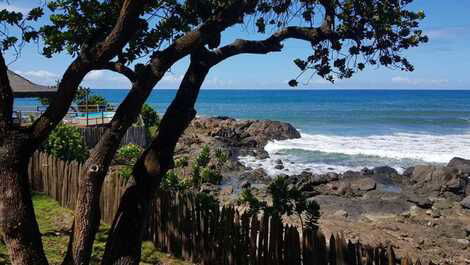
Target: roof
<point x="22" y="87"/>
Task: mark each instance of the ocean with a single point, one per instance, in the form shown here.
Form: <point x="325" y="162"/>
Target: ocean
<point x="343" y="129"/>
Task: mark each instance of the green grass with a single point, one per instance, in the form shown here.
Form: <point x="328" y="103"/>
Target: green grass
<point x="54" y="222"/>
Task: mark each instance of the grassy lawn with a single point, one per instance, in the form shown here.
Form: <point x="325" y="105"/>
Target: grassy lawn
<point x="54" y="221"/>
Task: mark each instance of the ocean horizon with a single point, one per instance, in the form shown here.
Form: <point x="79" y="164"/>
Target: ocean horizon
<point x="341" y="129"/>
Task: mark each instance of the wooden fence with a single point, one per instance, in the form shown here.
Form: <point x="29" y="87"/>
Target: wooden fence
<point x="134" y="135"/>
<point x="184" y="227"/>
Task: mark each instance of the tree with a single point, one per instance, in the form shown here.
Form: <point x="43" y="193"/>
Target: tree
<point x="111" y="35"/>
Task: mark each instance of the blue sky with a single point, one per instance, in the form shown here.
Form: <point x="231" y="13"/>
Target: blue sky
<point x="443" y="63"/>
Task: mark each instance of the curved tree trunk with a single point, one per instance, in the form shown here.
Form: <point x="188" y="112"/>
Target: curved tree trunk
<point x="18" y="225"/>
<point x="87" y="211"/>
<point x="126" y="234"/>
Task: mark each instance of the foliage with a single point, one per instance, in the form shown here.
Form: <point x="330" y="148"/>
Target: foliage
<point x="152" y="131"/>
<point x="254" y="205"/>
<point x="125" y="172"/>
<point x="66" y="143"/>
<point x="206" y="201"/>
<point x="221" y="157"/>
<point x="287" y="200"/>
<point x="128" y="155"/>
<point x="150" y="116"/>
<point x="93" y="100"/>
<point x="202" y="172"/>
<point x="204" y="156"/>
<point x="172" y="182"/>
<point x="129" y="152"/>
<point x="182" y="162"/>
<point x="209" y="175"/>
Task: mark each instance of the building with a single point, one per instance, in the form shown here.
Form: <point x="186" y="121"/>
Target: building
<point x="23" y="88"/>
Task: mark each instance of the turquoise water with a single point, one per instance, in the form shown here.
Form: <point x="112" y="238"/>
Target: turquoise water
<point x="94" y="115"/>
<point x="345" y="129"/>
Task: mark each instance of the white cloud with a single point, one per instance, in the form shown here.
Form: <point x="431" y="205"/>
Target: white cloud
<point x="447" y="33"/>
<point x="105" y="79"/>
<point x="419" y="81"/>
<point x="95" y="75"/>
<point x="13" y="8"/>
<point x="171" y="78"/>
<point x="42" y="77"/>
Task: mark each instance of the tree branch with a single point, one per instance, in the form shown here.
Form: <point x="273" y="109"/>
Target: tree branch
<point x="119" y="68"/>
<point x="271" y="44"/>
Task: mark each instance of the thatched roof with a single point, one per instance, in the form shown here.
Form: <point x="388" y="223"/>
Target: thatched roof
<point x="24" y="88"/>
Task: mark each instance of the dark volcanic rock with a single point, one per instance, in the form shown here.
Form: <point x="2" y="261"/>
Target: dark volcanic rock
<point x="388" y="171"/>
<point x="461" y="164"/>
<point x="420" y="201"/>
<point x="255" y="176"/>
<point x="251" y="134"/>
<point x="363" y="184"/>
<point x="437" y="180"/>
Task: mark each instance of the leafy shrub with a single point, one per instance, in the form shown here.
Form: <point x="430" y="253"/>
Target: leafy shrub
<point x="206" y="201"/>
<point x="95" y="102"/>
<point x="221" y="157"/>
<point x="182" y="162"/>
<point x="149" y="116"/>
<point x="210" y="176"/>
<point x="125" y="172"/>
<point x="287" y="200"/>
<point x="204" y="157"/>
<point x="171" y="181"/>
<point x="66" y="143"/>
<point x="196" y="175"/>
<point x="254" y="205"/>
<point x="130" y="153"/>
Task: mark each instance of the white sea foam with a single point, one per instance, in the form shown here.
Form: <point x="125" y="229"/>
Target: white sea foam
<point x="428" y="148"/>
<point x="396" y="147"/>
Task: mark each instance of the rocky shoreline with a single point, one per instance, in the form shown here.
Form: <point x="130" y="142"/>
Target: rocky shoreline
<point x="424" y="212"/>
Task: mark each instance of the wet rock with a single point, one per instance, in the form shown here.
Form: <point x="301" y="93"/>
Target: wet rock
<point x="408" y="172"/>
<point x="255" y="176"/>
<point x="332" y="176"/>
<point x="385" y="170"/>
<point x="278" y="162"/>
<point x="245" y="184"/>
<point x="364" y="184"/>
<point x="366" y="172"/>
<point x="262" y="154"/>
<point x="352" y="174"/>
<point x="466" y="202"/>
<point x="279" y="167"/>
<point x="420" y="201"/>
<point x="461" y="164"/>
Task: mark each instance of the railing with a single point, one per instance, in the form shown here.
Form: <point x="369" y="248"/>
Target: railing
<point x="80" y="115"/>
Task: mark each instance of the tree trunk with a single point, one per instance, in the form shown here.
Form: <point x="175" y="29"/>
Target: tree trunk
<point x="18" y="225"/>
<point x="126" y="234"/>
<point x="87" y="211"/>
